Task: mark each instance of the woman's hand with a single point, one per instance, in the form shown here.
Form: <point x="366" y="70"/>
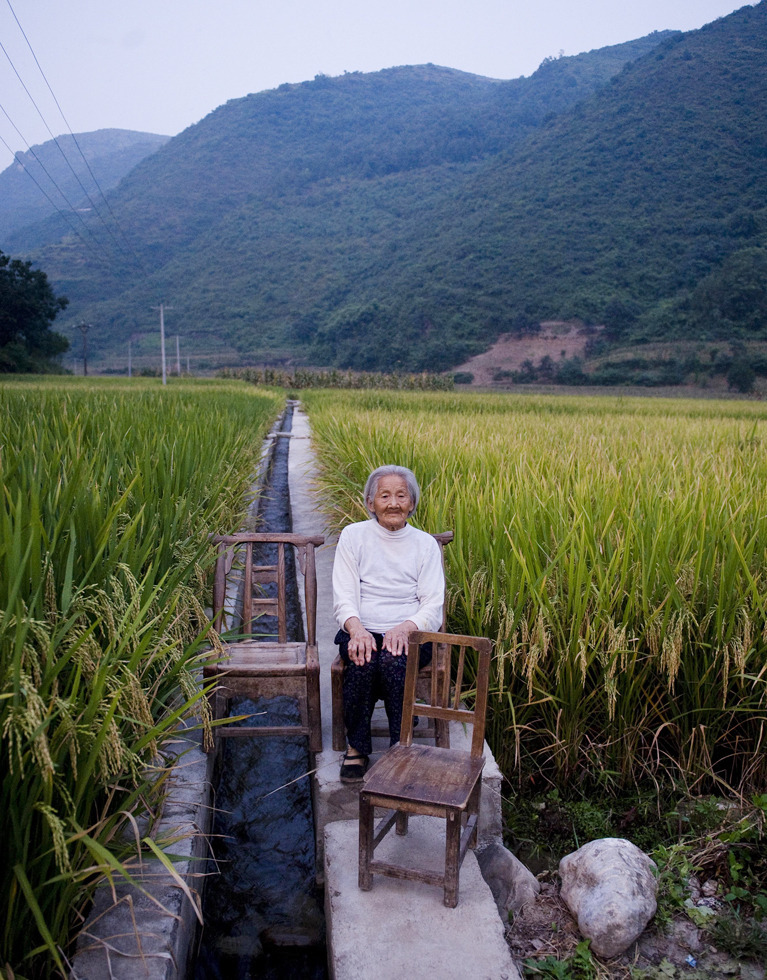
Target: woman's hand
<point x="361" y="643"/>
<point x="396" y="639"/>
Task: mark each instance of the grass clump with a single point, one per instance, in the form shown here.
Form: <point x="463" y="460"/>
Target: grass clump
<point x="109" y="492"/>
<point x="580" y="966"/>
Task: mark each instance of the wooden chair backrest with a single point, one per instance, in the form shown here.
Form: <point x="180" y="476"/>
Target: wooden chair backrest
<point x="440" y="704"/>
<point x="443" y="538"/>
<point x="252" y="606"/>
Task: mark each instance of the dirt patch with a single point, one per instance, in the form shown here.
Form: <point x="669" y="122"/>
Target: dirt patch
<point x="545" y="928"/>
<point x="558" y="339"/>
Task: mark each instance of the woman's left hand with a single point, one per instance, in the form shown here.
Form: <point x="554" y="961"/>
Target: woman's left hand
<point x="396" y="639"/>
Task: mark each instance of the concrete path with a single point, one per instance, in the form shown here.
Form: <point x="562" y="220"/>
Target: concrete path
<point x="402" y="929"/>
<point x="468" y="939"/>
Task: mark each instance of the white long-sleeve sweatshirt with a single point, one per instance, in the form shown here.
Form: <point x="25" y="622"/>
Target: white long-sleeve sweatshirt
<point x="385" y="577"/>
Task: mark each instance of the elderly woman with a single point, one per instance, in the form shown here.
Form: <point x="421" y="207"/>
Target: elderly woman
<point x="387" y="582"/>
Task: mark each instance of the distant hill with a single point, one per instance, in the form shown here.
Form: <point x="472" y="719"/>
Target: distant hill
<point x="194" y="213"/>
<point x="410" y="217"/>
<point x="58" y="167"/>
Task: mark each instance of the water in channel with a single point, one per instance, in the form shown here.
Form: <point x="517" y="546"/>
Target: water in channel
<point x="263" y="911"/>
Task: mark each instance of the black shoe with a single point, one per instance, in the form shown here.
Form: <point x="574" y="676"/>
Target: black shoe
<point x="353" y="768"/>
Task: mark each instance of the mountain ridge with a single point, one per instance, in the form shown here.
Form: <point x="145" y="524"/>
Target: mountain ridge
<point x="409" y="218"/>
<point x="65" y="165"/>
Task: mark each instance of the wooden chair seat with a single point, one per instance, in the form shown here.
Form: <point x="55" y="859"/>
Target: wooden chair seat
<point x="418" y="774"/>
<point x="244" y="595"/>
<point x="437" y="731"/>
<point x="249" y="657"/>
<point x="429" y="780"/>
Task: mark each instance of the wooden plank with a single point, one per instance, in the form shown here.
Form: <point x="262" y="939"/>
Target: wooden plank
<point x="313" y="701"/>
<point x="247" y="599"/>
<point x="459" y="677"/>
<point x="444" y="777"/>
<point x="262" y="686"/>
<point x="452" y="845"/>
<point x="219" y="590"/>
<point x="383" y="828"/>
<point x="251" y="652"/>
<point x="406" y="874"/>
<point x="480" y="701"/>
<point x="240" y="731"/>
<point x="461" y="715"/>
<point x="263" y="607"/>
<point x="310" y="593"/>
<point x="282" y="626"/>
<point x="468" y="831"/>
<point x="256" y="669"/>
<point x="268" y="537"/>
<point x="337" y="698"/>
<point x="365" y="879"/>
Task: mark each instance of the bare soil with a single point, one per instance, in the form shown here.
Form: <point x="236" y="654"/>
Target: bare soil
<point x="557" y="338"/>
<point x="545" y="928"/>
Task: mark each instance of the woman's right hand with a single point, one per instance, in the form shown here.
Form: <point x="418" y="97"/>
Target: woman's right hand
<point x="361" y="643"/>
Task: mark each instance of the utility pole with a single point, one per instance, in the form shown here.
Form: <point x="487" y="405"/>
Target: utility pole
<point x="162" y="344"/>
<point x="178" y="358"/>
<point x="130" y="362"/>
<point x="84" y="328"/>
<point x="162" y="309"/>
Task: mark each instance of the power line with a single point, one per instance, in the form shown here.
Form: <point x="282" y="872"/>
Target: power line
<point x="127" y="249"/>
<point x="66" y="160"/>
<point x="91" y="246"/>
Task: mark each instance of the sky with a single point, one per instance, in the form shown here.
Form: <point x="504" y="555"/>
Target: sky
<point x="161" y="65"/>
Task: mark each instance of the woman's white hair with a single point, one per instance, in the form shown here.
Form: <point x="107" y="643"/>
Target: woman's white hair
<point x="407" y="475"/>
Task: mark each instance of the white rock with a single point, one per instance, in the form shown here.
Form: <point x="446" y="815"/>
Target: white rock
<point x="610" y="888"/>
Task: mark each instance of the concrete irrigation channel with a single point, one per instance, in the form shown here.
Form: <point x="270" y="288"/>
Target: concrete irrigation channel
<point x="269" y="837"/>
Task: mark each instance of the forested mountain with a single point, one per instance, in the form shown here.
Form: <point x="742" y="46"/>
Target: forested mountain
<point x="40" y="181"/>
<point x="406" y="218"/>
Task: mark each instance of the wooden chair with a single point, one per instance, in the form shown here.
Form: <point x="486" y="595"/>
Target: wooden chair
<point x="426" y="779"/>
<point x="262" y="667"/>
<point x="440" y="731"/>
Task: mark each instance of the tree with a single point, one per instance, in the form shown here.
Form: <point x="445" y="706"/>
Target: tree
<point x="28" y="307"/>
<point x="741" y="376"/>
<point x="734" y="296"/>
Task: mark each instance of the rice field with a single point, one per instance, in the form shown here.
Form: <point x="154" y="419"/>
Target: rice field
<point x="109" y="490"/>
<point x="614" y="549"/>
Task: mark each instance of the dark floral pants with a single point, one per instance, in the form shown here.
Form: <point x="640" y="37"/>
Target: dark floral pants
<point x="383" y="679"/>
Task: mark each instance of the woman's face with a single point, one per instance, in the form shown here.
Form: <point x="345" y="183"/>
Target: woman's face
<point x="391" y="503"/>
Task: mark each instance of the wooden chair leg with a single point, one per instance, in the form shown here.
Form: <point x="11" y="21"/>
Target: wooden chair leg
<point x="314" y="711"/>
<point x="366" y="843"/>
<point x="303" y="710"/>
<point x="402" y="823"/>
<point x="452" y="846"/>
<point x="337" y="705"/>
<point x="473" y="808"/>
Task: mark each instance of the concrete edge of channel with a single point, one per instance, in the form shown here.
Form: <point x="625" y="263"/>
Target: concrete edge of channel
<point x="149" y="930"/>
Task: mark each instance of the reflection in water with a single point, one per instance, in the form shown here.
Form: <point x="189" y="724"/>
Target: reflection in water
<point x="263" y="916"/>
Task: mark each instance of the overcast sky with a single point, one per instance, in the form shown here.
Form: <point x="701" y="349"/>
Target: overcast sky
<point x="161" y="65"/>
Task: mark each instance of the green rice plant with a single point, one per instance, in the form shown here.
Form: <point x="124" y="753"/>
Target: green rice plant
<point x="109" y="492"/>
<point x="616" y="552"/>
